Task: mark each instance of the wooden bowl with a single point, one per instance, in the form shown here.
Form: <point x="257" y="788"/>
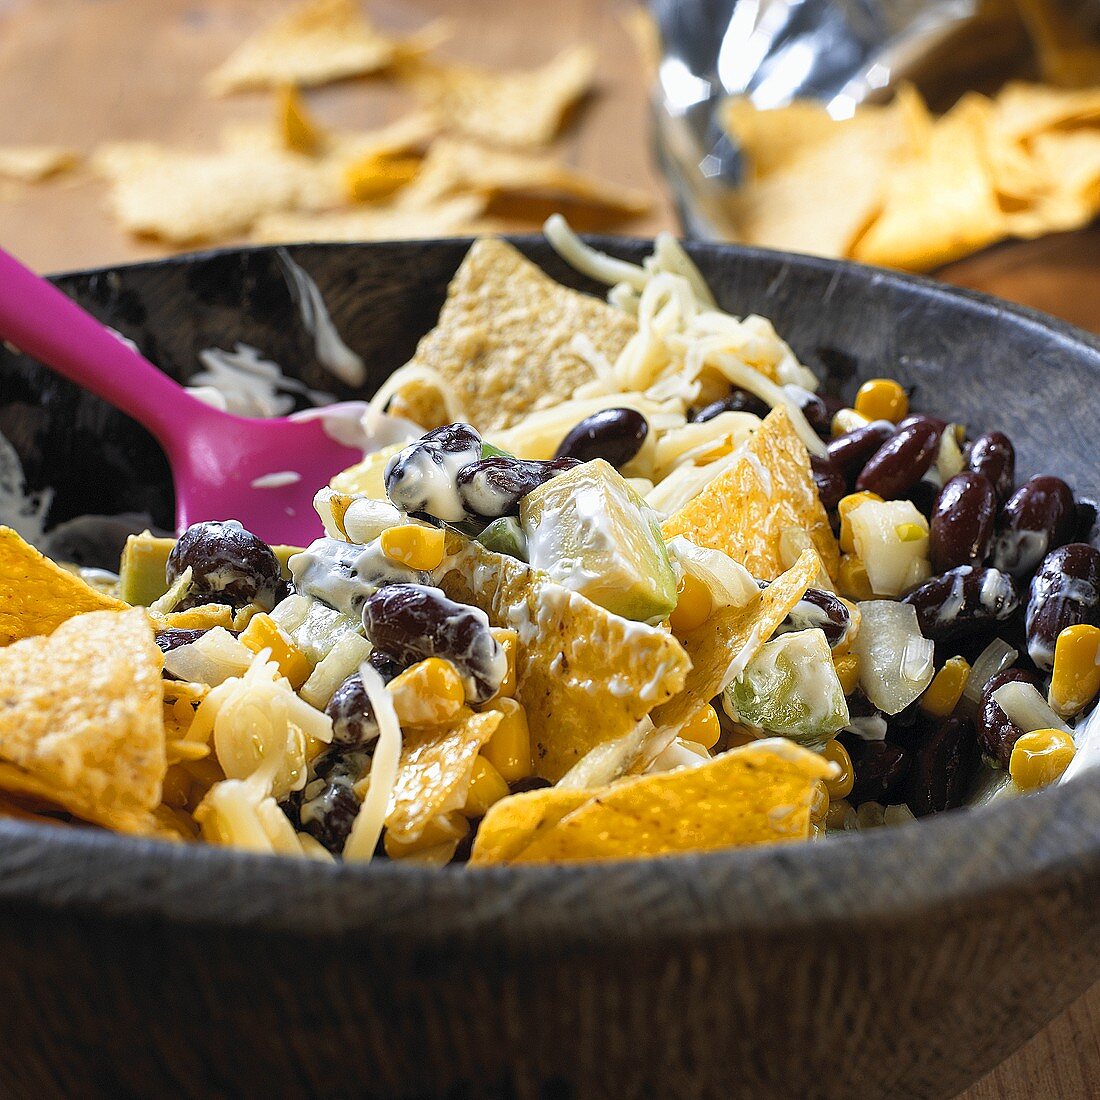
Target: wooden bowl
<point x="904" y="962"/>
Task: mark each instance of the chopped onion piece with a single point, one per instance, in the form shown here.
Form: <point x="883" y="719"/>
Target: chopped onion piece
<point x="895" y="659"/>
<point x="891" y="539"/>
<point x="996" y="657"/>
<point x="1026" y="708"/>
<point x="729" y="582"/>
<point x="949" y="458"/>
<point x="210" y="659"/>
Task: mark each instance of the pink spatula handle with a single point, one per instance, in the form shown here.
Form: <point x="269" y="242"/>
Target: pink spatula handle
<point x="42" y="322"/>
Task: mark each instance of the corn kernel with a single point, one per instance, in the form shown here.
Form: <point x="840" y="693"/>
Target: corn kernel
<point x="854" y="582"/>
<point x="508" y="640"/>
<point x="415" y="546"/>
<point x="841" y="816"/>
<point x="847" y="420"/>
<point x="509" y="748"/>
<point x="377" y="177"/>
<point x="436" y="844"/>
<point x="847" y="671"/>
<point x="944" y="692"/>
<point x="299" y="131"/>
<point x="882" y="399"/>
<point x="263" y="632"/>
<point x="429" y="693"/>
<point x="1039" y="758"/>
<point x="910" y="532"/>
<point x="840" y="787"/>
<point x="848" y="504"/>
<point x="486" y="787"/>
<point x="693" y="607"/>
<point x="1075" y="680"/>
<point x="702" y="727"/>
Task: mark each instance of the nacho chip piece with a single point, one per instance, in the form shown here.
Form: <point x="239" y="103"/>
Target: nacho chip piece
<point x="1068" y="161"/>
<point x="514" y="822"/>
<point x="722" y="647"/>
<point x="36" y="595"/>
<point x="33" y="163"/>
<point x="81" y="712"/>
<point x="759" y="793"/>
<point x="775" y="136"/>
<point x="377" y="177"/>
<point x="204" y="617"/>
<point x="585" y="676"/>
<point x="315" y="43"/>
<point x="745" y="509"/>
<point x="300" y="132"/>
<point x="523" y="108"/>
<point x="504" y="346"/>
<point x="1023" y="110"/>
<point x="434" y="772"/>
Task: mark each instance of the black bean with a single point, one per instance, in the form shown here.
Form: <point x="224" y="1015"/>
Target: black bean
<point x="961" y="601"/>
<point x="353" y="721"/>
<point x="994" y="456"/>
<point x="962" y="522"/>
<point x="900" y="462"/>
<point x="737" y="401"/>
<point x="830" y="482"/>
<point x="412" y="621"/>
<point x="420" y="478"/>
<point x="228" y="565"/>
<point x="1085" y="530"/>
<point x="849" y="452"/>
<point x="615" y="435"/>
<point x="996" y="734"/>
<point x="814" y="409"/>
<point x="329" y="813"/>
<point x="529" y="783"/>
<point x="933" y="422"/>
<point x="923" y="495"/>
<point x="493" y="487"/>
<point x="1065" y="591"/>
<point x="821" y="610"/>
<point x="167" y="640"/>
<point x="879" y="768"/>
<point x="943" y="767"/>
<point x="1037" y="518"/>
<point x="384" y="665"/>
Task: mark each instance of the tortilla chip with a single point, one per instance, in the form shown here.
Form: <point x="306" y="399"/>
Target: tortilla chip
<point x="37" y="595"/>
<point x="503" y="345"/>
<point x="522" y="108"/>
<point x="435" y="770"/>
<point x="744" y="510"/>
<point x="513" y="823"/>
<point x="81" y="713"/>
<point x="317" y="42"/>
<point x="33" y="163"/>
<point x="722" y="647"/>
<point x="300" y="131"/>
<point x="378" y="177"/>
<point x="760" y="793"/>
<point x="1068" y="161"/>
<point x="1023" y="110"/>
<point x="515" y="184"/>
<point x="204" y="617"/>
<point x="585" y="676"/>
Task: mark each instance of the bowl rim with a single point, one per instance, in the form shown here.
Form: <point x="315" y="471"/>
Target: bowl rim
<point x="1046" y="842"/>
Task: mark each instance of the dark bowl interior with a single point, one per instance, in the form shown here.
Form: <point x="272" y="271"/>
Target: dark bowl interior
<point x="900" y="963"/>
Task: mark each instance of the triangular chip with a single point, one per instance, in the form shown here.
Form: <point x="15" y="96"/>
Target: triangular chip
<point x="36" y="595"/>
<point x="744" y="510"/>
<point x="760" y="793"/>
<point x="585" y="676"/>
<point x="513" y="823"/>
<point x="521" y="108"/>
<point x="434" y="772"/>
<point x="81" y="713"/>
<point x="722" y="647"/>
<point x="504" y="345"/>
<point x="301" y="132"/>
<point x="32" y="163"/>
<point x="1024" y="110"/>
<point x="315" y="43"/>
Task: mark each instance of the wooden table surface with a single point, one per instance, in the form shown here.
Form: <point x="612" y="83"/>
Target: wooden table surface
<point x="77" y="72"/>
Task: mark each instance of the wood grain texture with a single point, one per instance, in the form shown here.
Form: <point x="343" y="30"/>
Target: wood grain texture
<point x="81" y="71"/>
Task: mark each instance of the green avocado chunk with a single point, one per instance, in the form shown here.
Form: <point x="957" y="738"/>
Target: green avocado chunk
<point x="505" y="536"/>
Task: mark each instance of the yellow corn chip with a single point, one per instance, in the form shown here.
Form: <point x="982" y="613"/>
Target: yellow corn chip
<point x="366" y="478"/>
<point x="776" y="136"/>
<point x="721" y="648"/>
<point x="513" y="823"/>
<point x="205" y="617"/>
<point x="519" y="108"/>
<point x="377" y="177"/>
<point x="760" y="793"/>
<point x="1023" y="110"/>
<point x="585" y="676"/>
<point x="81" y="713"/>
<point x="503" y="345"/>
<point x="36" y="595"/>
<point x="300" y="133"/>
<point x="744" y="510"/>
<point x="315" y="43"/>
<point x="1068" y="160"/>
<point x="434" y="772"/>
<point x="33" y="163"/>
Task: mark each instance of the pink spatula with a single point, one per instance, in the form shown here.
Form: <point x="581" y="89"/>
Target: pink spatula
<point x="223" y="466"/>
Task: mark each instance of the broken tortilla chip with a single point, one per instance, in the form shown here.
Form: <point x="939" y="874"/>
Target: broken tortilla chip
<point x="435" y="770"/>
<point x="315" y="43"/>
<point x="301" y="133"/>
<point x="761" y="793"/>
<point x="585" y="676"/>
<point x="522" y="108"/>
<point x="37" y="595"/>
<point x="34" y="163"/>
<point x="81" y="715"/>
<point x="513" y="823"/>
<point x="504" y="345"/>
<point x="744" y="510"/>
<point x="721" y="648"/>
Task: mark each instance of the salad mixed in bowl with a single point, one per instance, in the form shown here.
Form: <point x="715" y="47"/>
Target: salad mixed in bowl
<point x="627" y="585"/>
